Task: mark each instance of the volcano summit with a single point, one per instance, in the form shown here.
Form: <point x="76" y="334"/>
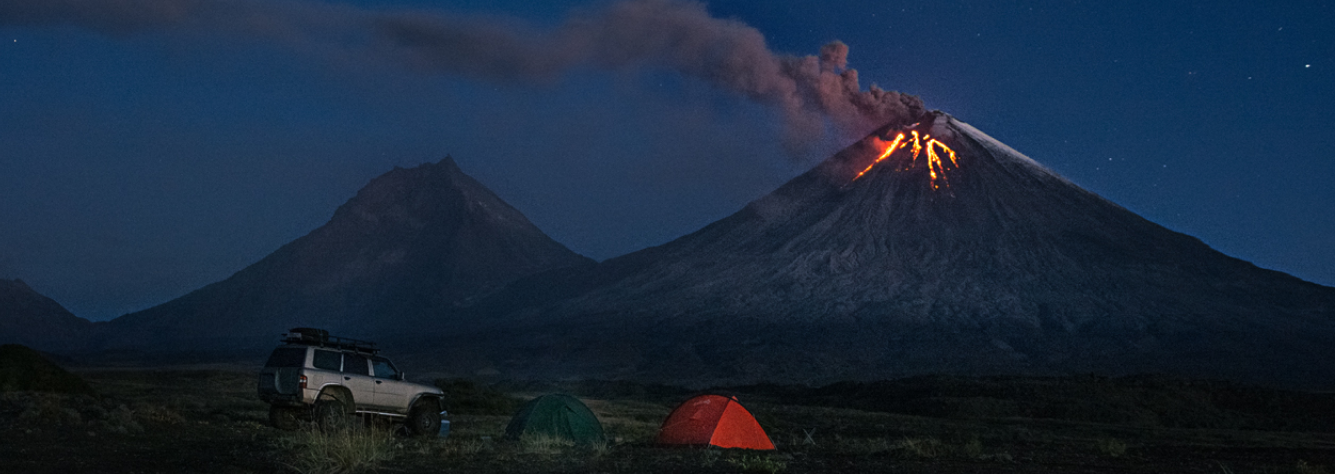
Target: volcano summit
<point x="954" y="253"/>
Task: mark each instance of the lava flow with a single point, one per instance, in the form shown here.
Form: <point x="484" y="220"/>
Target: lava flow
<point x="935" y="166"/>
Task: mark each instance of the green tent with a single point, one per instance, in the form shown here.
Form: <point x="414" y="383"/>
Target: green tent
<point x="559" y="416"/>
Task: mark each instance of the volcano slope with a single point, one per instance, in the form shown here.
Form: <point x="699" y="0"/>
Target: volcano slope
<point x="995" y="266"/>
<point x="408" y="250"/>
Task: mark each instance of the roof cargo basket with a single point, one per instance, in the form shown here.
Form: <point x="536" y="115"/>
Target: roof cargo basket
<point x="307" y="335"/>
<point x="321" y="337"/>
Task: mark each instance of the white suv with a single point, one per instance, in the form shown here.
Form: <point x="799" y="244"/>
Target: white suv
<point x="316" y="376"/>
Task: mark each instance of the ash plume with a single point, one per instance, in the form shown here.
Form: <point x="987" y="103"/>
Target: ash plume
<point x="672" y="34"/>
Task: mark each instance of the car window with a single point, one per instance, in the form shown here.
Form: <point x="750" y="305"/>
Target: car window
<point x="287" y="357"/>
<point x="383" y="368"/>
<point x="354" y="364"/>
<point x="327" y="360"/>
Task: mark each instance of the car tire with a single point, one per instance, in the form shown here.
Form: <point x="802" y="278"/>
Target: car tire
<point x="284" y="418"/>
<point x="423" y="419"/>
<point x="329" y="414"/>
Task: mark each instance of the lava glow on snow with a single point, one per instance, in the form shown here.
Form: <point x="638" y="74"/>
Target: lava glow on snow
<point x="936" y="167"/>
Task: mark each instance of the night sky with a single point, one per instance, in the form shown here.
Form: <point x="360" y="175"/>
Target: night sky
<point x="141" y="159"/>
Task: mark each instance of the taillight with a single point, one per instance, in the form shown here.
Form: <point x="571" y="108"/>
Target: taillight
<point x="301" y="382"/>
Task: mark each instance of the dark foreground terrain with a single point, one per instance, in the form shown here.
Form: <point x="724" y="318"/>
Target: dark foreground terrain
<point x="198" y="420"/>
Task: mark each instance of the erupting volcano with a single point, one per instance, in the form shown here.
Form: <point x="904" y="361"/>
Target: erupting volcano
<point x="935" y="167"/>
<point x="861" y="270"/>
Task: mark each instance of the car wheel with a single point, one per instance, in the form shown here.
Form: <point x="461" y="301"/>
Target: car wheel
<point x="423" y="420"/>
<point x="329" y="414"/>
<point x="284" y="418"/>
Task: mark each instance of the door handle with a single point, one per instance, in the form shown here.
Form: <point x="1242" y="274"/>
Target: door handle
<point x="377" y="382"/>
<point x="347" y="378"/>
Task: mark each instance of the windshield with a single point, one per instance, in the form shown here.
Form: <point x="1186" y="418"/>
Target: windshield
<point x="287" y="357"/>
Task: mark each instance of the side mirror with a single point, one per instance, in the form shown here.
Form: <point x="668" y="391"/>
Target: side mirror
<point x="401" y="376"/>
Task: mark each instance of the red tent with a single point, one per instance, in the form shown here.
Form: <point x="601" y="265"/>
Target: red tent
<point x="713" y="420"/>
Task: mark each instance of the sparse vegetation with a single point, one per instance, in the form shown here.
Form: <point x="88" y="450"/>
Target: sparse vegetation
<point x="1140" y="400"/>
<point x="758" y="463"/>
<point x="925" y="448"/>
<point x="38" y="411"/>
<point x="347" y="449"/>
<point x="1304" y="468"/>
<point x="457" y="447"/>
<point x="160" y="421"/>
<point x="545" y="444"/>
<point x="1111" y="447"/>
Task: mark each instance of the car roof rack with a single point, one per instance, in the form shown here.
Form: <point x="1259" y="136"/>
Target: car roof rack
<point x="321" y="337"/>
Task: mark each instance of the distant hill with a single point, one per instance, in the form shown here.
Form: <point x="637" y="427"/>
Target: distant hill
<point x="23" y="369"/>
<point x="28" y="318"/>
<point x="409" y="250"/>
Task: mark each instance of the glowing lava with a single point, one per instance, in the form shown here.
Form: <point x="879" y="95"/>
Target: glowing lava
<point x="936" y="168"/>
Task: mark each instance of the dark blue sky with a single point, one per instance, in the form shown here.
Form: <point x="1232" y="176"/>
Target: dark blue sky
<point x="139" y="163"/>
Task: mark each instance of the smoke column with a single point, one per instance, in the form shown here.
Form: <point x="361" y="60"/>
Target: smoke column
<point x="672" y="34"/>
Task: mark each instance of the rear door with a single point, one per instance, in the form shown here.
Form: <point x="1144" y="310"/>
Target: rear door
<point x="357" y="378"/>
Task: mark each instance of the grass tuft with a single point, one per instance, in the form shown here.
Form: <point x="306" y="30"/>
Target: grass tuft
<point x="1111" y="447"/>
<point x="1304" y="468"/>
<point x="758" y="463"/>
<point x="924" y="448"/>
<point x="345" y="450"/>
<point x="544" y="444"/>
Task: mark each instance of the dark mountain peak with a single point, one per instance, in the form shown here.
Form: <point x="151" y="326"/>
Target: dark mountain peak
<point x="411" y="247"/>
<point x="436" y="210"/>
<point x="429" y="195"/>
